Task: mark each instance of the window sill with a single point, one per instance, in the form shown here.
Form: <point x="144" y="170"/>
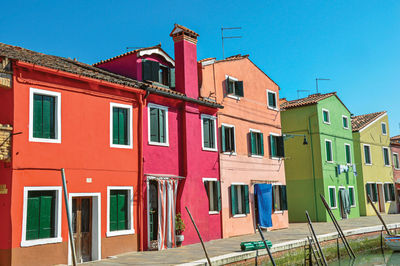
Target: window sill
<point x="388" y="165"/>
<point x="368" y="163"/>
<point x="30" y="243"/>
<point x="276" y="158"/>
<point x="44" y="140"/>
<point x="213" y="212"/>
<point x="256" y="156"/>
<point x="346" y="128"/>
<point x="230" y="153"/>
<point x="234" y="97"/>
<point x="239" y="215"/>
<point x="120" y="232"/>
<point x="273" y="108"/>
<point x="327" y="123"/>
<point x="331" y="162"/>
<point x="121" y="146"/>
<point x="278" y="212"/>
<point x="353" y="206"/>
<point x="333" y="208"/>
<point x="209" y="149"/>
<point x="159" y="144"/>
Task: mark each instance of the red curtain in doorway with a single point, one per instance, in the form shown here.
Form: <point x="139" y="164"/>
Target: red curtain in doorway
<point x="167" y="190"/>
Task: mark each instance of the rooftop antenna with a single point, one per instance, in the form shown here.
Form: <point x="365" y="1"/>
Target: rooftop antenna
<point x="298" y="92"/>
<point x="228" y="37"/>
<point x="316" y="82"/>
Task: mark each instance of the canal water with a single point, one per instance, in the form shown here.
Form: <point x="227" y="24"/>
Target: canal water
<point x="372" y="258"/>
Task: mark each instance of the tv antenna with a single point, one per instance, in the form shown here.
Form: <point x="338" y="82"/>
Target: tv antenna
<point x="228" y="37"/>
<point x="316" y="82"/>
<point x="298" y="92"/>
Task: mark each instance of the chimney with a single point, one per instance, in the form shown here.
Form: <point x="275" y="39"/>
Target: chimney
<point x="186" y="79"/>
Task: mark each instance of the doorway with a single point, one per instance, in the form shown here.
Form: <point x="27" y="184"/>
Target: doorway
<point x="153" y="215"/>
<point x="381" y="198"/>
<point x="82" y="228"/>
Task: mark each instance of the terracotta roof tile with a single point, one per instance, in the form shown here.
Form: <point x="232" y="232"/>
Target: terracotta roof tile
<point x="206" y="59"/>
<point x="233" y="57"/>
<point x="361" y="121"/>
<point x="311" y="99"/>
<point x="395" y="140"/>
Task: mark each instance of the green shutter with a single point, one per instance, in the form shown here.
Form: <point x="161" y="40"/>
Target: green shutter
<point x="252" y="143"/>
<point x="273" y="145"/>
<point x="219" y="195"/>
<point x="162" y="128"/>
<point x="32" y="219"/>
<point x="375" y="190"/>
<point x="271" y="100"/>
<point x="115" y="125"/>
<point x="246" y="198"/>
<point x="234" y="204"/>
<point x="155" y="71"/>
<point x="37" y="116"/>
<point x="392" y="196"/>
<point x="261" y="144"/>
<point x="229" y="86"/>
<point x="345" y="122"/>
<point x="332" y="195"/>
<point x="283" y="198"/>
<point x="122" y="126"/>
<point x="366" y="154"/>
<point x="348" y="154"/>
<point x="172" y="77"/>
<point x="46" y="224"/>
<point x="239" y="88"/>
<point x="273" y="198"/>
<point x="386" y="192"/>
<point x="351" y="195"/>
<point x="113" y="211"/>
<point x="146" y="70"/>
<point x="326" y="118"/>
<point x="211" y="133"/>
<point x="280" y="147"/>
<point x="223" y="140"/>
<point x="154" y="130"/>
<point x="206" y="133"/>
<point x="122" y="210"/>
<point x="328" y="151"/>
<point x="368" y="188"/>
<point x="46" y="117"/>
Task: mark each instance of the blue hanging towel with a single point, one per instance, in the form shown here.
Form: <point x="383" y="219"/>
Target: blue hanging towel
<point x="264" y="203"/>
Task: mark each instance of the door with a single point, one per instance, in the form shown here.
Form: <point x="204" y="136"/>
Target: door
<point x="381" y="198"/>
<point x="82" y="227"/>
<point x="153" y="215"/>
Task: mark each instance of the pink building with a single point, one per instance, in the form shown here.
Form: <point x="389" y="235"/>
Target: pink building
<point x="395" y="147"/>
<point x="180" y="154"/>
<point x="251" y="145"/>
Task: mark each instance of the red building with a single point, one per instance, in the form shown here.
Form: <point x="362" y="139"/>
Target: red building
<point x="395" y="147"/>
<point x="180" y="151"/>
<point x="66" y="114"/>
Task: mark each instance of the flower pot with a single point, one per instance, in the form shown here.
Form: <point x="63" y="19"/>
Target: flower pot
<point x="179" y="240"/>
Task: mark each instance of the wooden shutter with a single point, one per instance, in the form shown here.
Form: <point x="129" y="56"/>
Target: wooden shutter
<point x="392" y="196"/>
<point x="239" y="88"/>
<point x="219" y="195"/>
<point x="328" y="151"/>
<point x="46" y="224"/>
<point x="32" y="217"/>
<point x="375" y="190"/>
<point x="115" y="125"/>
<point x="280" y="151"/>
<point x="229" y="86"/>
<point x="146" y="70"/>
<point x="162" y="126"/>
<point x="206" y="133"/>
<point x="122" y="126"/>
<point x="48" y="117"/>
<point x="212" y="133"/>
<point x="223" y="140"/>
<point x="368" y="188"/>
<point x="154" y="130"/>
<point x="246" y="198"/>
<point x="234" y="205"/>
<point x="386" y="192"/>
<point x="207" y="187"/>
<point x="172" y="77"/>
<point x="252" y="143"/>
<point x="122" y="210"/>
<point x="351" y="195"/>
<point x="332" y="197"/>
<point x="261" y="143"/>
<point x="273" y="146"/>
<point x="155" y="71"/>
<point x="113" y="211"/>
<point x="37" y="116"/>
<point x="283" y="198"/>
<point x="271" y="99"/>
<point x="348" y="154"/>
<point x="273" y="198"/>
<point x="232" y="139"/>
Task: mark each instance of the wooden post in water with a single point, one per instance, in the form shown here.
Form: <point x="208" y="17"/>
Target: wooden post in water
<point x="198" y="233"/>
<point x="379" y="215"/>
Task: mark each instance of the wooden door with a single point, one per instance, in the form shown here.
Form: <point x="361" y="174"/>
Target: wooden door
<point x="82" y="228"/>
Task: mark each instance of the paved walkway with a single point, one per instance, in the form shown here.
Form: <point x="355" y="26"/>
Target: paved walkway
<point x="230" y="245"/>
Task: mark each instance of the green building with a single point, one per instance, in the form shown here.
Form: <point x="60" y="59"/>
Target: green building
<point x="325" y="164"/>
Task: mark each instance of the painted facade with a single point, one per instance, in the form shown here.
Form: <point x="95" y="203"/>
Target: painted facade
<point x="245" y="111"/>
<point x="312" y="169"/>
<point x="372" y="153"/>
<point x="62" y="119"/>
<point x="395" y="148"/>
<point x="177" y="152"/>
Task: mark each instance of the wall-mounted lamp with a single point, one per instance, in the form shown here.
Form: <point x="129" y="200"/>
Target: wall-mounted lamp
<point x="289" y="136"/>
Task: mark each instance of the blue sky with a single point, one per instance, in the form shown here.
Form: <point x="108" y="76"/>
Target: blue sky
<point x="354" y="43"/>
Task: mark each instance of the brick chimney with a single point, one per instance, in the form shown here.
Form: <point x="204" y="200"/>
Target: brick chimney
<point x="186" y="79"/>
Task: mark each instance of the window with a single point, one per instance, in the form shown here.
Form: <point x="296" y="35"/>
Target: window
<point x="389" y="192"/>
<point x="158" y="124"/>
<point x="272" y="102"/>
<point x="120" y="211"/>
<point x="121" y="125"/>
<point x="154" y="71"/>
<point x="228" y="138"/>
<point x="396" y="160"/>
<point x="45" y="116"/>
<point x="326" y="116"/>
<point x="209" y="136"/>
<point x="367" y="154"/>
<point x="384" y="132"/>
<point x="345" y="121"/>
<point x="234" y="87"/>
<point x="386" y="156"/>
<point x="352" y="196"/>
<point x="41" y="216"/>
<point x="372" y="191"/>
<point x="256" y="143"/>
<point x="348" y="153"/>
<point x="279" y="200"/>
<point x="240" y="199"/>
<point x="329" y="152"/>
<point x="332" y="197"/>
<point x="214" y="194"/>
<point x="276" y="146"/>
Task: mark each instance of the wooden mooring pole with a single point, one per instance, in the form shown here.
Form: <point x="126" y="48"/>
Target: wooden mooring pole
<point x="266" y="246"/>
<point x="379" y="215"/>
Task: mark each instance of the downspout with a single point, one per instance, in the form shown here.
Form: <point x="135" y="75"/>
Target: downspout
<point x="313" y="168"/>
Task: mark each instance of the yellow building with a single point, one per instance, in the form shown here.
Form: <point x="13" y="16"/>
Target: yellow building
<point x="373" y="161"/>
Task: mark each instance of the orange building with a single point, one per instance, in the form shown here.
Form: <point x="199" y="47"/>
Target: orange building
<point x="251" y="145"/>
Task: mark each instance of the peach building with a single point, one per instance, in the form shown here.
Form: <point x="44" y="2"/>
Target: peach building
<point x="253" y="187"/>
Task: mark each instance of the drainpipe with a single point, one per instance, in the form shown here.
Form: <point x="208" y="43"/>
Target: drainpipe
<point x="313" y="167"/>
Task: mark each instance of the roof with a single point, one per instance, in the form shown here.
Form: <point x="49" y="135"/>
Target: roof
<point x="134" y="52"/>
<point x="361" y="121"/>
<point x="233" y="57"/>
<point x="82" y="69"/>
<point x="309" y="100"/>
<point x="179" y="28"/>
<point x="395" y="140"/>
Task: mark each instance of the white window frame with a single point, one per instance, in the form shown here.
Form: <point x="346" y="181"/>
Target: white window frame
<point x="276" y="101"/>
<point x="230" y="95"/>
<point x="354" y="196"/>
<point x="370" y="184"/>
<point x="329" y="116"/>
<point x="383" y="154"/>
<point x="383" y="123"/>
<point x="255" y="155"/>
<point x="332" y="208"/>
<point x="326" y="152"/>
<point x="214" y="119"/>
<point x="57" y="116"/>
<point x="395" y="154"/>
<point x="213" y="180"/>
<point x="241" y="214"/>
<point x="165" y="109"/>
<point x="348" y="123"/>
<point x="58" y="221"/>
<point x="370" y="155"/>
<point x="272" y="157"/>
<point x="130" y="140"/>
<point x="234" y="138"/>
<point x="130" y="231"/>
<point x="351" y="161"/>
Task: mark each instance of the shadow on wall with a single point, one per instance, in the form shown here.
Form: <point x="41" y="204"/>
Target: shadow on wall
<point x="392" y="207"/>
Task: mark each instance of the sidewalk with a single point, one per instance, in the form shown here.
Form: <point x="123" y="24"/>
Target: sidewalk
<point x="220" y="247"/>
